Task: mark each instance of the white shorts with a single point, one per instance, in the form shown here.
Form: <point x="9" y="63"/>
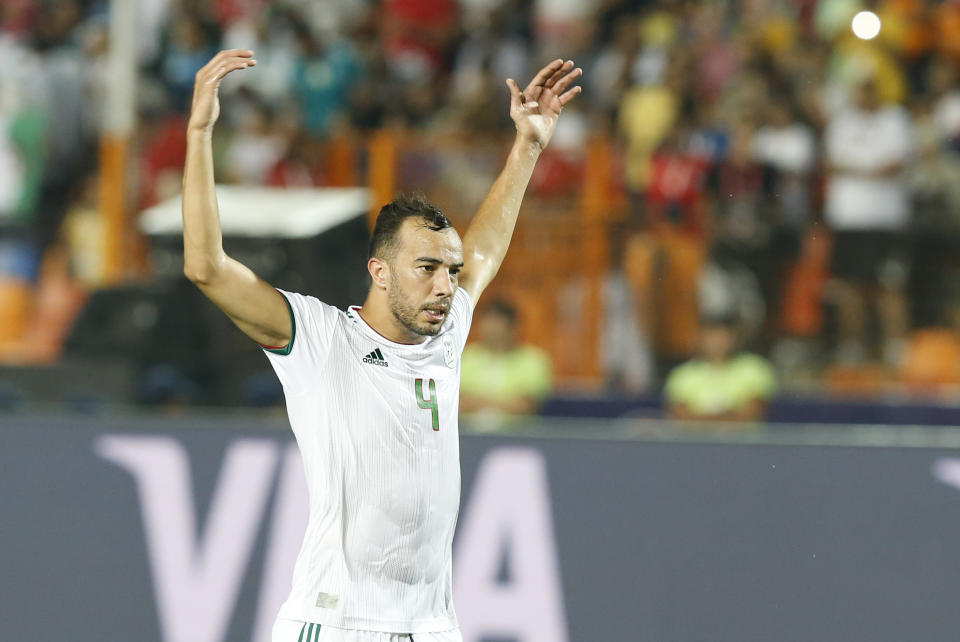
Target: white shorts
<point x="298" y="631"/>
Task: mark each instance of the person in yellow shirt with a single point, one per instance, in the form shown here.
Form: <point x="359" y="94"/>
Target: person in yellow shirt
<point x="721" y="384"/>
<point x="501" y="377"/>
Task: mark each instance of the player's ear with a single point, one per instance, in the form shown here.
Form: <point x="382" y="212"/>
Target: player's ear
<point x="379" y="272"/>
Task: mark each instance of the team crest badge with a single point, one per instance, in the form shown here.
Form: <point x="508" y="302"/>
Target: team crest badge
<point x="449" y="351"/>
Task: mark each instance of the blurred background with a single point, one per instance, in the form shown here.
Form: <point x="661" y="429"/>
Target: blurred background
<point x="754" y="168"/>
<point x="717" y="377"/>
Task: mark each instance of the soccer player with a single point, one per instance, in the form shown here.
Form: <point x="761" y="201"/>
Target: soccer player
<point x="372" y="392"/>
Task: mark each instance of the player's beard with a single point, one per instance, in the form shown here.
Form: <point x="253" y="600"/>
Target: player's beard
<point x="407" y="313"/>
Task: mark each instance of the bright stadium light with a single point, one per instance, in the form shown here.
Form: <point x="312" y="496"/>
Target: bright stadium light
<point x="866" y="25"/>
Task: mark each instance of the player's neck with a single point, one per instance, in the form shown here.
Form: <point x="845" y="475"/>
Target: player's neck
<point x="376" y="313"/>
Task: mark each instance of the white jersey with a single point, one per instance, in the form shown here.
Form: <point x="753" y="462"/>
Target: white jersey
<point x="376" y="422"/>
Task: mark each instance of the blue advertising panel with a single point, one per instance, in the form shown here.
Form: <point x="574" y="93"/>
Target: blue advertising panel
<point x="186" y="529"/>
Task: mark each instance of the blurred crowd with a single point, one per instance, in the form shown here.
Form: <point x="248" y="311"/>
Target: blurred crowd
<point x="775" y="170"/>
<point x="802" y="176"/>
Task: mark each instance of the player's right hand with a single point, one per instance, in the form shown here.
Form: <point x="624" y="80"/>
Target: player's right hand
<point x="206" y="104"/>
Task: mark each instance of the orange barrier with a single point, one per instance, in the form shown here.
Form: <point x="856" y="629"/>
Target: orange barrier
<point x="381" y="171"/>
<point x="15" y="307"/>
<point x="861" y="381"/>
<point x="803" y="292"/>
<point x="113" y="163"/>
<point x="663" y="269"/>
<point x="53" y="305"/>
<point x="594" y="208"/>
<point x="932" y="362"/>
<point x="340" y="167"/>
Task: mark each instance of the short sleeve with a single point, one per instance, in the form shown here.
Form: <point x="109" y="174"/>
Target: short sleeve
<point x="901" y="137"/>
<point x="760" y="379"/>
<point x="313" y="322"/>
<point x="537" y="374"/>
<point x="675" y="389"/>
<point x="461" y="317"/>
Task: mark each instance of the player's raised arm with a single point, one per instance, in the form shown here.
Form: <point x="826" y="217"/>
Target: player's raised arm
<point x="535" y="112"/>
<point x="256" y="307"/>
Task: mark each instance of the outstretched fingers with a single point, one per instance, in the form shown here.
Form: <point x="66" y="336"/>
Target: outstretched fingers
<point x="233" y="64"/>
<point x="224" y="55"/>
<point x="544" y="75"/>
<point x="225" y="62"/>
<point x="569" y="95"/>
<point x="558" y="74"/>
<point x="235" y="53"/>
<point x="563" y="83"/>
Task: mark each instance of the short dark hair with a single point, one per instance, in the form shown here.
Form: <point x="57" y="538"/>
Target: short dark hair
<point x="726" y="318"/>
<point x="502" y="308"/>
<point x="383" y="241"/>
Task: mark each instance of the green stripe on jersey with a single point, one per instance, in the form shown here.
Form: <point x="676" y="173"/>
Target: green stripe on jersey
<point x="293" y="335"/>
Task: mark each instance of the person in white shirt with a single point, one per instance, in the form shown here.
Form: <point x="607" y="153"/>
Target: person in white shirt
<point x="372" y="392"/>
<point x="868" y="208"/>
<point x="787" y="146"/>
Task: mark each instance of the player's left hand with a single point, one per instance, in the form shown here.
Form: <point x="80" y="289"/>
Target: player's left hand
<point x="535" y="110"/>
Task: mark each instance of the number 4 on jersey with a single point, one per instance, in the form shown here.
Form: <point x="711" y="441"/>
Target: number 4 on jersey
<point x="431" y="403"/>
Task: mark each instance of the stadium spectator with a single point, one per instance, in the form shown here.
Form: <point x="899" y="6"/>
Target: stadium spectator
<point x="625" y="347"/>
<point x="786" y="146"/>
<point x="646" y="117"/>
<point x="935" y="199"/>
<point x="721" y="384"/>
<point x="787" y="149"/>
<point x="741" y="224"/>
<point x="612" y="68"/>
<point x="187" y="42"/>
<point x="59" y="80"/>
<point x="676" y="197"/>
<point x="22" y="148"/>
<point x="419" y="37"/>
<point x="868" y="209"/>
<point x="502" y="377"/>
<point x="256" y="146"/>
<point x="301" y="165"/>
<point x="715" y="114"/>
<point x="931" y="177"/>
<point x="269" y="34"/>
<point x="945" y="97"/>
<point x="500" y="42"/>
<point x="17" y="18"/>
<point x="323" y="75"/>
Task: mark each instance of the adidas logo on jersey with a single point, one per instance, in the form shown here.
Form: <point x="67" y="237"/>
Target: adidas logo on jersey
<point x="376" y="358"/>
